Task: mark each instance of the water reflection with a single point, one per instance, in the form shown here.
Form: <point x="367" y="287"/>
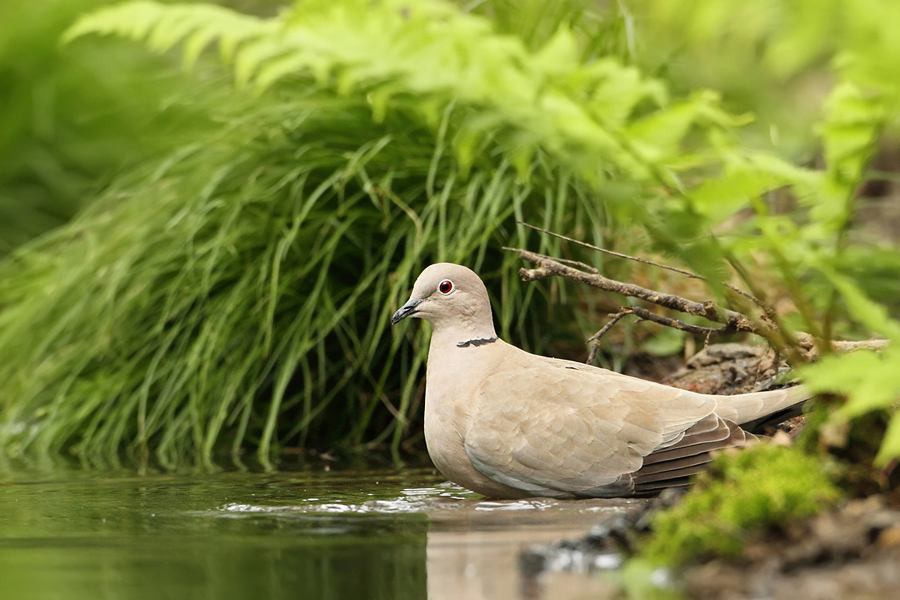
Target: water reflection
<point x="473" y="545"/>
<point x="290" y="535"/>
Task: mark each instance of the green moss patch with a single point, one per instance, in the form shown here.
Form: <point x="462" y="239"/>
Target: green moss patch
<point x="756" y="489"/>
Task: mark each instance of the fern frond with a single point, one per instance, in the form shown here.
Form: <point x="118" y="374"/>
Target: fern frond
<point x="427" y="49"/>
<point x="161" y="27"/>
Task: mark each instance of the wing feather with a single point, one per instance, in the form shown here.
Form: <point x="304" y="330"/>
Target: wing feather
<point x="558" y="432"/>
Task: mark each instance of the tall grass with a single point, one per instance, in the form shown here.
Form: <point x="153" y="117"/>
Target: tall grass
<point x="248" y="281"/>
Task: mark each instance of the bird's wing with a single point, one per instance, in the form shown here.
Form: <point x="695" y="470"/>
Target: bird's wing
<point x="568" y="431"/>
<point x="673" y="465"/>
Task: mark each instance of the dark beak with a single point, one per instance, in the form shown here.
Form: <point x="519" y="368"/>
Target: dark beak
<point x="406" y="310"/>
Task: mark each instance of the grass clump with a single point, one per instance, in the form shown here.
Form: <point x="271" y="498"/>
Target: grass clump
<point x="742" y="494"/>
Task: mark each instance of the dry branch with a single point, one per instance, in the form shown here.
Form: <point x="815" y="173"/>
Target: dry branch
<point x="594" y="340"/>
<point x="550" y="267"/>
<point x="768" y="310"/>
<point x="801" y="348"/>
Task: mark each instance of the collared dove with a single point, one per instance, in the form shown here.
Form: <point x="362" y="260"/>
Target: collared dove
<point x="509" y="424"/>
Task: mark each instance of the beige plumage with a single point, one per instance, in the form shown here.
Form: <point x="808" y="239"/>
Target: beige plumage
<point x="509" y="424"/>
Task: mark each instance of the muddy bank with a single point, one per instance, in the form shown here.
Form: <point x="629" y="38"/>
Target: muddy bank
<point x="852" y="552"/>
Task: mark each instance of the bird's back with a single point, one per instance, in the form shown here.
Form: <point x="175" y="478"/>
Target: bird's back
<point x="559" y="428"/>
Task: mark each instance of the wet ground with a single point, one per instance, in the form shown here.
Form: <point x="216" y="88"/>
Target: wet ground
<point x="319" y="535"/>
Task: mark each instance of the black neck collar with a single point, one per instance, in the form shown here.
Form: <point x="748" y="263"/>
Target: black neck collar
<point x="476" y="342"/>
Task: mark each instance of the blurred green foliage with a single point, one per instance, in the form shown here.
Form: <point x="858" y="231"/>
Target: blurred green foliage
<point x="237" y="291"/>
<point x="827" y="74"/>
<point x="777" y="58"/>
<point x="72" y="118"/>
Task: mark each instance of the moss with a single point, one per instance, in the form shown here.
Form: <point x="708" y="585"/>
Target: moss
<point x="742" y="493"/>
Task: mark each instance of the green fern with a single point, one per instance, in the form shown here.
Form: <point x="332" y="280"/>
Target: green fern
<point x="391" y="50"/>
<point x="162" y="26"/>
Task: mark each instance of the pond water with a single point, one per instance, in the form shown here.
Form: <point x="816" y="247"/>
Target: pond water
<point x="315" y="534"/>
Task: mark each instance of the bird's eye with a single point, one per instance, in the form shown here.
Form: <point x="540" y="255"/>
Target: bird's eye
<point x="446" y="286"/>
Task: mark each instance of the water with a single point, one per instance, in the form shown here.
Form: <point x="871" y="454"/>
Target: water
<point x="316" y="535"/>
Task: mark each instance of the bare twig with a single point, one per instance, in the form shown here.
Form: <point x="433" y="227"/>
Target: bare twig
<point x="767" y="310"/>
<point x="839" y="346"/>
<point x="594" y="340"/>
<point x="611" y="253"/>
<point x="575" y="263"/>
<point x="646" y="315"/>
<point x="731" y="321"/>
<point x="549" y="267"/>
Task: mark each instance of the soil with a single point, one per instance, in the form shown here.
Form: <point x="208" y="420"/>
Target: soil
<point x="852" y="553"/>
<point x="729" y="369"/>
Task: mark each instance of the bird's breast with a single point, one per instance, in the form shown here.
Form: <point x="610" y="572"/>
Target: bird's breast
<point x="451" y="401"/>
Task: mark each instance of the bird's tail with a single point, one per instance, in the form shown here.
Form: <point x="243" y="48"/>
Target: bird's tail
<point x="759" y="409"/>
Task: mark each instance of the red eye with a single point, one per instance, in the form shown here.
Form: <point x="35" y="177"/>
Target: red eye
<point x="446" y="286"/>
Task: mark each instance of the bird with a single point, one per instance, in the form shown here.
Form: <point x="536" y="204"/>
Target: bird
<point x="509" y="424"/>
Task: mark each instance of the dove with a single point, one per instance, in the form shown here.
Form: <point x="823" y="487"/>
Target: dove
<point x="506" y="423"/>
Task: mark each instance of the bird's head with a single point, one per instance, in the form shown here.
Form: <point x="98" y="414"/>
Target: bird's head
<point x="450" y="296"/>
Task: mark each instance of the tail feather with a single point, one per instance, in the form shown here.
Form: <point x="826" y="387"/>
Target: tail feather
<point x="749" y="408"/>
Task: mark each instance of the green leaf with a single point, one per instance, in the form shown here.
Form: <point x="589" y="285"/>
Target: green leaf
<point x="868" y="380"/>
<point x="849" y="130"/>
<point x="718" y="199"/>
<point x="874" y="316"/>
<point x="890" y="447"/>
